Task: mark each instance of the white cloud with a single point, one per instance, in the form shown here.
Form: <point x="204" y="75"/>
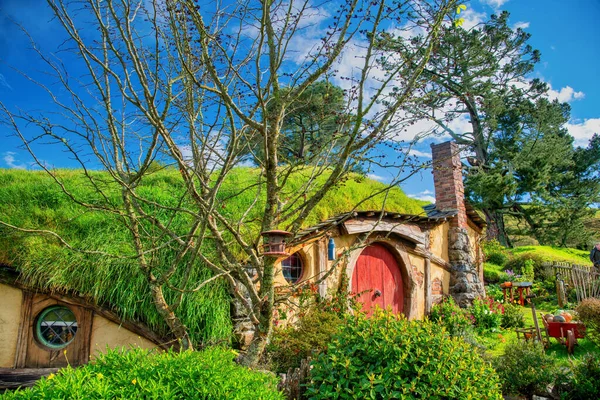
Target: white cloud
<point x="583" y="131"/>
<point x="565" y="95"/>
<point x="377" y="177"/>
<point x="472" y="18"/>
<point x="494" y="3"/>
<point x="418" y="153"/>
<point x="12" y="161"/>
<point x="521" y="25"/>
<point x="426" y="195"/>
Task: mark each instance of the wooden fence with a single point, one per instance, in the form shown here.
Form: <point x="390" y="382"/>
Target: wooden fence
<point x="585" y="279"/>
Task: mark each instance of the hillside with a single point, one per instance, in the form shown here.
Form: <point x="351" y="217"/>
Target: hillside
<point x="33" y="200"/>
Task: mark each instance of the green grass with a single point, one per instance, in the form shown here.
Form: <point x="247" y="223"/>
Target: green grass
<point x="496" y="342"/>
<point x="33" y="200"/>
<point x="550" y="253"/>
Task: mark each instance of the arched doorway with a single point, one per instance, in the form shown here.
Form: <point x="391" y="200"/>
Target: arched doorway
<point x="377" y="274"/>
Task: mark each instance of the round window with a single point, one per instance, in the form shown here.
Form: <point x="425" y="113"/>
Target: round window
<point x="292" y="268"/>
<point x="56" y="327"/>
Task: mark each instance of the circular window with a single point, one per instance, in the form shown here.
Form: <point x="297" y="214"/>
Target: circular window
<point x="56" y="327"/>
<point x="292" y="268"/>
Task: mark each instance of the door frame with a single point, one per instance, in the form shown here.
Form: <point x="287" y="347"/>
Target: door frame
<point x="398" y="250"/>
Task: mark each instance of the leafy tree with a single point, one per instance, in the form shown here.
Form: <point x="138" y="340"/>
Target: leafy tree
<point x="517" y="139"/>
<point x="195" y="86"/>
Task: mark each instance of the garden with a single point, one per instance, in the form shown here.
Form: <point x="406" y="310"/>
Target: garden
<point x="330" y="353"/>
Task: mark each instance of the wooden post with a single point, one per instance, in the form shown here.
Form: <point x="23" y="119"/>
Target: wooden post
<point x="428" y="298"/>
<point x="322" y="265"/>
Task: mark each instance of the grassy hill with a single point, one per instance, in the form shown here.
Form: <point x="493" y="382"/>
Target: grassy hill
<point x="33" y="200"/>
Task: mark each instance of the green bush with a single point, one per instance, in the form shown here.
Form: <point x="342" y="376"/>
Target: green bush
<point x="525" y="369"/>
<point x="487" y="314"/>
<point x="497" y="258"/>
<point x="449" y="315"/>
<point x="495" y="292"/>
<point x="139" y="374"/>
<point x="512" y="317"/>
<point x="388" y="357"/>
<point x="583" y="382"/>
<point x="308" y="337"/>
<point x="589" y="313"/>
<point x="522" y="263"/>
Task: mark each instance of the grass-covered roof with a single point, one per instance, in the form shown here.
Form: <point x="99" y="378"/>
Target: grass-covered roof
<point x="31" y="199"/>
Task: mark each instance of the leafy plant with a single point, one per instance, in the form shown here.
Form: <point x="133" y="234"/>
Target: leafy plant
<point x="525" y="369"/>
<point x="589" y="313"/>
<point x="583" y="382"/>
<point x="140" y="374"/>
<point x="487" y="314"/>
<point x="512" y="317"/>
<point x="308" y="337"/>
<point x="455" y="319"/>
<point x="388" y="357"/>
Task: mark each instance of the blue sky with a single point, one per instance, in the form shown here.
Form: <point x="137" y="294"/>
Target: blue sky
<point x="566" y="33"/>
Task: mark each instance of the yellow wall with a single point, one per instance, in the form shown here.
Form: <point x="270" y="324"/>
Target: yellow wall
<point x="438" y="241"/>
<point x="10" y="319"/>
<point x="108" y="334"/>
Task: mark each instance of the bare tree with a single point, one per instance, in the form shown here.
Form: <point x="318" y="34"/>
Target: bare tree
<point x="189" y="84"/>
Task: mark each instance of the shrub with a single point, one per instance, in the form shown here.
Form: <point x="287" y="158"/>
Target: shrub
<point x="487" y="314"/>
<point x="308" y="337"/>
<point x="140" y="374"/>
<point x="497" y="258"/>
<point x="589" y="313"/>
<point x="512" y="317"/>
<point x="522" y="262"/>
<point x="495" y="292"/>
<point x="583" y="382"/>
<point x="388" y="357"/>
<point x="455" y="319"/>
<point x="525" y="369"/>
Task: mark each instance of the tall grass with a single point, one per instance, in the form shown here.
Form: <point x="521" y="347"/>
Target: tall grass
<point x="33" y="200"/>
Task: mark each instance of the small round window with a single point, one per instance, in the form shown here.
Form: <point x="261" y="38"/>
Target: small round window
<point x="292" y="268"/>
<point x="56" y="327"/>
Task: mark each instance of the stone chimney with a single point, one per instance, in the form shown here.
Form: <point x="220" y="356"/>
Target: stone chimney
<point x="448" y="181"/>
<point x="465" y="284"/>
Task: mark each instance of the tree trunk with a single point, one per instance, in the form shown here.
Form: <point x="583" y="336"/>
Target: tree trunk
<point x="264" y="329"/>
<point x="495" y="227"/>
<point x="174" y="323"/>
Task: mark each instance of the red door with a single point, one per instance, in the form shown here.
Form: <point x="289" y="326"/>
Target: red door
<point x="377" y="275"/>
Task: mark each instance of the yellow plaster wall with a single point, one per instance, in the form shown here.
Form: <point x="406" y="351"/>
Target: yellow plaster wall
<point x="10" y="319"/>
<point x="438" y="241"/>
<point x="106" y="333"/>
<point x="418" y="270"/>
<point x="439" y="272"/>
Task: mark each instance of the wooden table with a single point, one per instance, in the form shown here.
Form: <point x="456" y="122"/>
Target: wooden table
<point x="520" y="286"/>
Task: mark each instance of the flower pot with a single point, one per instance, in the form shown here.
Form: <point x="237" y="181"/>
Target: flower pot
<point x="507" y="284"/>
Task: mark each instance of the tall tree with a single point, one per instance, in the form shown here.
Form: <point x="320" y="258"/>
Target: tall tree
<point x="195" y="85"/>
<point x="518" y="144"/>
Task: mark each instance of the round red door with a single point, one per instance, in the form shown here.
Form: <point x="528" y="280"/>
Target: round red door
<point x="377" y="276"/>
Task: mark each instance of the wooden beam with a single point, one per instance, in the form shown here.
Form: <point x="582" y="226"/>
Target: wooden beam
<point x="428" y="298"/>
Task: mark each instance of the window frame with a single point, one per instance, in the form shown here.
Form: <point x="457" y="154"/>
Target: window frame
<point x="37" y="328"/>
<point x="300" y="260"/>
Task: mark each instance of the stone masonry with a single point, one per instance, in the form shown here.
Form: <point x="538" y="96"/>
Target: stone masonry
<point x="465" y="285"/>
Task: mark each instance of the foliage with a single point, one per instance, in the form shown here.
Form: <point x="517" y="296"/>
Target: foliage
<point x="524" y="368"/>
<point x="523" y="263"/>
<point x="512" y="317"/>
<point x="589" y="313"/>
<point x="318" y="320"/>
<point x="387" y="357"/>
<point x="494" y="252"/>
<point x="493" y="273"/>
<point x="136" y="374"/>
<point x="583" y="381"/>
<point x="448" y="314"/>
<point x="487" y="314"/>
<point x="495" y="292"/>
